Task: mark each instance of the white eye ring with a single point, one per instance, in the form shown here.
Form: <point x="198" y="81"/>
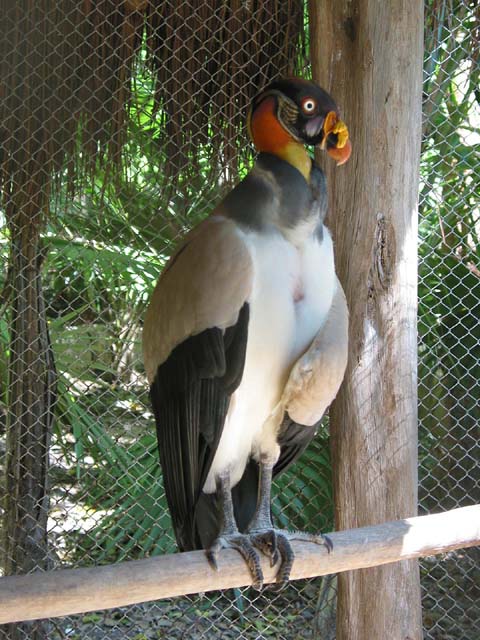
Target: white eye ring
<point x="309" y="105"/>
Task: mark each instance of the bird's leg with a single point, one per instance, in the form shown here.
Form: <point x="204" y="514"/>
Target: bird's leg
<point x="261" y="529"/>
<point x="229" y="536"/>
<point x="262" y="518"/>
<point x="276" y="542"/>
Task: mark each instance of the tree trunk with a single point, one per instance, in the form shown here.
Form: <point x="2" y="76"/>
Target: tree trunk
<point x="31" y="393"/>
<point x="368" y="54"/>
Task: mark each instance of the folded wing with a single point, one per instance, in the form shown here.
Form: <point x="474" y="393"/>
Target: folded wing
<point x="195" y="338"/>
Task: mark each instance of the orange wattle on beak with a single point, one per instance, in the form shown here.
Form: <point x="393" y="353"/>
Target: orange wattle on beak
<point x="341" y="151"/>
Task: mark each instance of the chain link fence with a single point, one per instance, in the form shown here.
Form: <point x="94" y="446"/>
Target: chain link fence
<point x="121" y="126"/>
<point x="449" y="307"/>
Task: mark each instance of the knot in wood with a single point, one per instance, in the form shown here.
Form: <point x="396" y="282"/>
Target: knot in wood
<point x="384" y="252"/>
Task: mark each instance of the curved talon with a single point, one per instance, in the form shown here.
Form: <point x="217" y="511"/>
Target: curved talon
<point x="212" y="560"/>
<point x="275" y="544"/>
<point x="212" y="553"/>
<point x="244" y="546"/>
<point x="327" y="543"/>
<point x="288" y="557"/>
<point x="316" y="538"/>
<point x="266" y="541"/>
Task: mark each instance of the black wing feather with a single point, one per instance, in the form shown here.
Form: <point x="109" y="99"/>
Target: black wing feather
<point x="190" y="396"/>
<point x="293" y="440"/>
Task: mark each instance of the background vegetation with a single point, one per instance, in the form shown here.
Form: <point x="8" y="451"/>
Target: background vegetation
<point x="104" y="244"/>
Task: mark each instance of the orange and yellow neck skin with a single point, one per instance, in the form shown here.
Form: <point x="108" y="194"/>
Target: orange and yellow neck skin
<point x="269" y="136"/>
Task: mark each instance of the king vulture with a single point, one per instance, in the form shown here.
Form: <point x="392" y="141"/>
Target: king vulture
<point x="245" y="337"/>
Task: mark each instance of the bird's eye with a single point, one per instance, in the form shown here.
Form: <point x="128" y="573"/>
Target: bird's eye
<point x="309" y="105"/>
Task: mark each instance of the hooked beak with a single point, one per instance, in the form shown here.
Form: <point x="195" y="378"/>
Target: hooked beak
<point x="335" y="138"/>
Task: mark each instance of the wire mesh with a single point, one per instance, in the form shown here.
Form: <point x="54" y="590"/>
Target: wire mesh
<point x="107" y="158"/>
<point x="449" y="307"/>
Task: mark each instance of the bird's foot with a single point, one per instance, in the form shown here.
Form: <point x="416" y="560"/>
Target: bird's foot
<point x="275" y="543"/>
<point x="245" y="546"/>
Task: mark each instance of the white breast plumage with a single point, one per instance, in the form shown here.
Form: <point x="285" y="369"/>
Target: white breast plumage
<point x="282" y="326"/>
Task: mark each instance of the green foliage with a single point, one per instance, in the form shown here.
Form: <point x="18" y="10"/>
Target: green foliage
<point x="449" y="250"/>
<point x="303" y="497"/>
<point x="106" y="246"/>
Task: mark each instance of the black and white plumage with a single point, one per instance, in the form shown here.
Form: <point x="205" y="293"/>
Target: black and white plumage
<point x="245" y="338"/>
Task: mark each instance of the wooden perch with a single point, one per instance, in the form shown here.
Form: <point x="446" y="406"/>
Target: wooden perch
<point x="69" y="591"/>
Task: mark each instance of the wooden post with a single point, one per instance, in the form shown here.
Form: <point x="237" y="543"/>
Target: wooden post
<point x="31" y="399"/>
<point x="368" y="54"/>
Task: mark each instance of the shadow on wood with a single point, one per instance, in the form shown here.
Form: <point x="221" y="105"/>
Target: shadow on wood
<point x="69" y="591"/>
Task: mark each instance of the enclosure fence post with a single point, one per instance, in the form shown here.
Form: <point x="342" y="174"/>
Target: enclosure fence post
<point x="368" y="54"/>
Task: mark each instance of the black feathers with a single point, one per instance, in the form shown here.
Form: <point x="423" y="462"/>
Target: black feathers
<point x="190" y="396"/>
<point x="293" y="439"/>
<point x="275" y="192"/>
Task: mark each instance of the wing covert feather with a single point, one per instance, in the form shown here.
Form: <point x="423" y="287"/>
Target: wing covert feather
<point x="204" y="285"/>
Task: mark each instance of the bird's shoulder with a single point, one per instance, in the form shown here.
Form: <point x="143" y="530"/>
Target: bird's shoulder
<point x="255" y="200"/>
<point x="204" y="285"/>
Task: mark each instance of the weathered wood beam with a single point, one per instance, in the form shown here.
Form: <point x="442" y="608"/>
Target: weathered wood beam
<point x="368" y="54"/>
<point x="69" y="591"/>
